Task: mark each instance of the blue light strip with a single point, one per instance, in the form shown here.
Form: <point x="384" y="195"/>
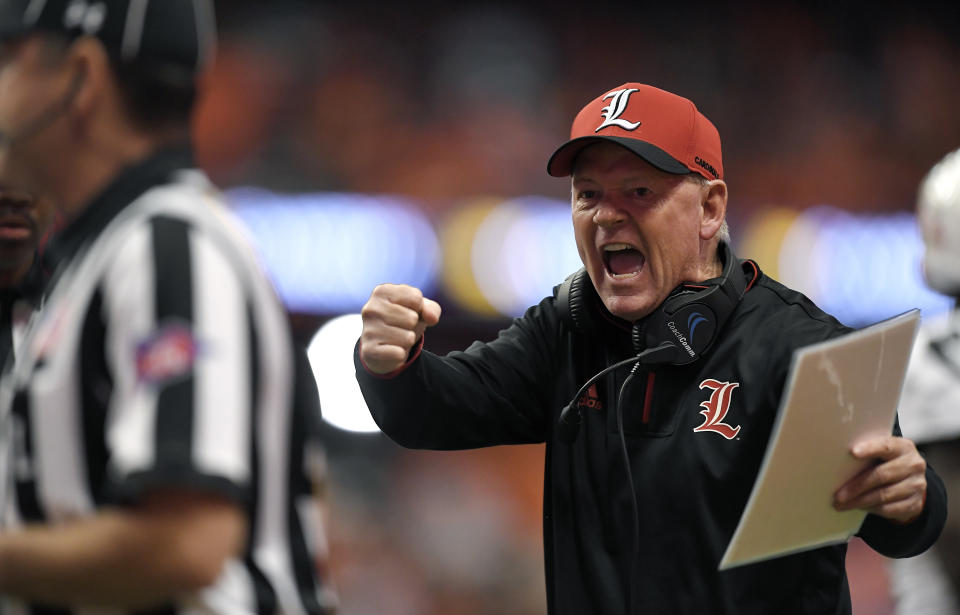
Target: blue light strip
<point x="860" y="268"/>
<point x="866" y="267"/>
<point x="326" y="252"/>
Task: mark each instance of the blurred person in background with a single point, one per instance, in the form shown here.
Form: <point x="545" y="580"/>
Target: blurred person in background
<point x="646" y="477"/>
<point x="24" y="225"/>
<point x="929" y="584"/>
<point x="157" y="420"/>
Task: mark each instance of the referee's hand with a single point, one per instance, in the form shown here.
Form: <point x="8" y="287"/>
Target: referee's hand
<point x="394" y="319"/>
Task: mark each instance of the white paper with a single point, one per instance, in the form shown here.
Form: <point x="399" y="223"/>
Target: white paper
<point x="837" y="393"/>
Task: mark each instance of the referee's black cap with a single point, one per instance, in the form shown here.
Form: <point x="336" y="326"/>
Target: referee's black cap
<point x="169" y="36"/>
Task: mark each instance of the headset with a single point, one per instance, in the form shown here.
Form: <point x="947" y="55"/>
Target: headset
<point x="678" y="332"/>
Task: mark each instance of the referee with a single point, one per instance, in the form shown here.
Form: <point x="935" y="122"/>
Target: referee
<point x="156" y="423"/>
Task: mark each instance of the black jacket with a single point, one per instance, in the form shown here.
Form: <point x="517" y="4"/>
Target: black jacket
<point x="692" y="482"/>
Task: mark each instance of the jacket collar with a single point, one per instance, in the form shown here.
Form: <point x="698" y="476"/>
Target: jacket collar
<point x="131" y="182"/>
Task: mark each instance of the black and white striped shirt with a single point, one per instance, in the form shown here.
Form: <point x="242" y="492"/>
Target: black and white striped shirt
<point x="162" y="358"/>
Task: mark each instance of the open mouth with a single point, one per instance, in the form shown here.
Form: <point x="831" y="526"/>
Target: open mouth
<point x="14" y="233"/>
<point x="14" y="228"/>
<point x="622" y="260"/>
<point x="15" y="221"/>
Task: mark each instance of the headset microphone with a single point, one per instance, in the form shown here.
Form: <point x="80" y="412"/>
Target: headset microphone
<point x="569" y="424"/>
<point x="45" y="118"/>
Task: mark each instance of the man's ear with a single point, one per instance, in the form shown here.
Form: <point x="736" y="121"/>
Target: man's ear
<point x="90" y="64"/>
<point x="713" y="208"/>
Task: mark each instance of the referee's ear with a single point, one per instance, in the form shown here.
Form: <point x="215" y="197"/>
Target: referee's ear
<point x="97" y="101"/>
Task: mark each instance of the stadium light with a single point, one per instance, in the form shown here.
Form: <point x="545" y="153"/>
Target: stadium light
<point x="331" y="357"/>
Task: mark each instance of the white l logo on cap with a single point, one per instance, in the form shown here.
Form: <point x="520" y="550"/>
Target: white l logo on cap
<point x="88" y="17"/>
<point x="616" y="107"/>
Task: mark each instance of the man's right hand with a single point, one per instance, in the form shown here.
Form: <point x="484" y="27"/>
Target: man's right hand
<point x="394" y="319"/>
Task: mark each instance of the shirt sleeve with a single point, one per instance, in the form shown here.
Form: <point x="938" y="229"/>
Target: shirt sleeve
<point x="180" y="353"/>
<point x="906" y="540"/>
<point x="492" y="393"/>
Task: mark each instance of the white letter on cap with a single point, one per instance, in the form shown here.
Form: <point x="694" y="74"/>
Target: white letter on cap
<point x="617" y="106"/>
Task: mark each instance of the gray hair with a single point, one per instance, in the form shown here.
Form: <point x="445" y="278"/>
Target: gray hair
<point x="724" y="232"/>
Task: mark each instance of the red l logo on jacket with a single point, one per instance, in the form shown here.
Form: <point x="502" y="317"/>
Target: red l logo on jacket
<point x="715" y="408"/>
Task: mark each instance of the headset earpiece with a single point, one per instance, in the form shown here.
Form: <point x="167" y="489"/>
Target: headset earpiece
<point x="574" y="299"/>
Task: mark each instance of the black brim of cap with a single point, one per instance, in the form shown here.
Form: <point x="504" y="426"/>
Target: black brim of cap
<point x="561" y="163"/>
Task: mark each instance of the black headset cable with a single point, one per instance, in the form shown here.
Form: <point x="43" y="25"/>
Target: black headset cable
<point x="635" y="555"/>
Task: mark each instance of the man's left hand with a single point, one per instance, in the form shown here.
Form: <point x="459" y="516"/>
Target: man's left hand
<point x="894" y="487"/>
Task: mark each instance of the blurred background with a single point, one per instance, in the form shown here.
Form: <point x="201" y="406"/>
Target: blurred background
<point x="364" y="143"/>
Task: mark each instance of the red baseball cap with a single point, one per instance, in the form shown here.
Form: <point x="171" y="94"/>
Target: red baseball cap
<point x="664" y="129"/>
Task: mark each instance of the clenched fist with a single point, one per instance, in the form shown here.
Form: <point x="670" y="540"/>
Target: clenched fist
<point x="394" y="319"/>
